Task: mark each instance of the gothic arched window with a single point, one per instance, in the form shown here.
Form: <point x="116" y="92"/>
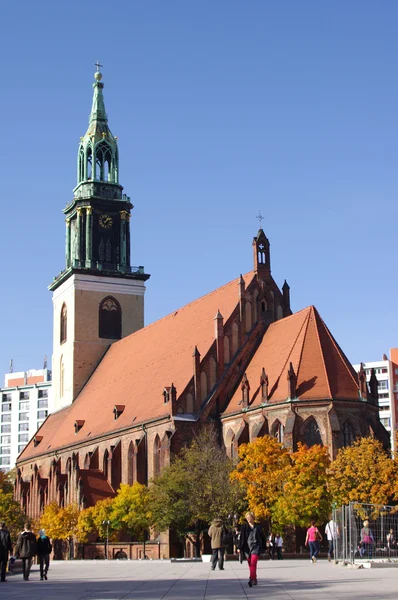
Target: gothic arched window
<point x="105" y="464"/>
<point x="110" y="319"/>
<point x="278" y="431"/>
<point x="348" y="434"/>
<point x="63" y="324"/>
<point x="312" y="434"/>
<point x="157" y="449"/>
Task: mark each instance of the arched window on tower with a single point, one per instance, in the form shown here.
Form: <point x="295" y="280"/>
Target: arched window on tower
<point x="89" y="163"/>
<point x="261" y="254"/>
<point x="110" y="319"/>
<point x="348" y="434"/>
<point x="63" y="324"/>
<point x="80" y="174"/>
<point x="103" y="162"/>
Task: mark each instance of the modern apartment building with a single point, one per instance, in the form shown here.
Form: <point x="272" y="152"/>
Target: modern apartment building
<point x="26" y="400"/>
<point x="386" y="371"/>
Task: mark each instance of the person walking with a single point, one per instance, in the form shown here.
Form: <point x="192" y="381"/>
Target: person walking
<point x="313" y="540"/>
<point x="279" y="545"/>
<point x="216" y="532"/>
<point x="44" y="548"/>
<point x="26" y="549"/>
<point x="367" y="539"/>
<point x="5" y="549"/>
<point x="252" y="544"/>
<point x="235" y="538"/>
<point x="391" y="542"/>
<point x="271" y="546"/>
<point x="332" y="533"/>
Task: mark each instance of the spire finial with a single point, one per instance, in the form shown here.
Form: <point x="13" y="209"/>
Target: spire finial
<point x="260" y="217"/>
<point x="98" y="74"/>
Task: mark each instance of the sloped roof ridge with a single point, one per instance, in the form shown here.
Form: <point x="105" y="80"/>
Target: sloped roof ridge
<point x="189" y="304"/>
<point x="343" y="357"/>
<point x="316" y="317"/>
<point x="306" y="323"/>
<point x="297" y="336"/>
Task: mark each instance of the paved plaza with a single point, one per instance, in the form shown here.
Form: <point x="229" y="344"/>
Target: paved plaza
<point x="129" y="580"/>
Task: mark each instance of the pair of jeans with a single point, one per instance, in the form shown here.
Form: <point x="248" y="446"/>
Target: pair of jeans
<point x="314" y="549"/>
<point x="26" y="567"/>
<point x="217" y="556"/>
<point x="252" y="559"/>
<point x="3" y="566"/>
<point x="44" y="561"/>
<point x="279" y="552"/>
<point x="331" y="548"/>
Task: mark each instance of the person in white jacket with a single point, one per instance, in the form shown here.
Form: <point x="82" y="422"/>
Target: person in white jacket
<point x="279" y="545"/>
<point x="332" y="533"/>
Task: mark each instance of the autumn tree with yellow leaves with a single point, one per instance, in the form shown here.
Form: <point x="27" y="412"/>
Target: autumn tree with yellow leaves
<point x="363" y="472"/>
<point x="262" y="469"/>
<point x="305" y="493"/>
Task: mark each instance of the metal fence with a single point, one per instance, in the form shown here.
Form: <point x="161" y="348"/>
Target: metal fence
<point x="365" y="532"/>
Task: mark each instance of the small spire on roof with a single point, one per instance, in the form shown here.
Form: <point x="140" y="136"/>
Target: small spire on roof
<point x="292" y="382"/>
<point x="264" y="385"/>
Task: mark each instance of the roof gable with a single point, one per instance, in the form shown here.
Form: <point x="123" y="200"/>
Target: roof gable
<point x="323" y="371"/>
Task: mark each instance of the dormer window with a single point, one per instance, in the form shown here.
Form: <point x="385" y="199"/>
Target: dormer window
<point x="36" y="440"/>
<point x="118" y="409"/>
<point x="78" y="426"/>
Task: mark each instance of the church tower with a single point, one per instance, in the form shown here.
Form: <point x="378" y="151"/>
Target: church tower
<point x="99" y="297"/>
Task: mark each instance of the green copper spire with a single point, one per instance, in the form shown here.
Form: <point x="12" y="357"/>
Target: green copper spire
<point x="98" y="158"/>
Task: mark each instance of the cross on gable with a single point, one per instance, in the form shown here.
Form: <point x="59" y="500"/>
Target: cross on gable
<point x="261" y="246"/>
<point x="260" y="217"/>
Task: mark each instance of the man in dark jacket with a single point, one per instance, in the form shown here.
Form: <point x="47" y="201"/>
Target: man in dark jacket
<point x="44" y="548"/>
<point x="26" y="549"/>
<point x="5" y="549"/>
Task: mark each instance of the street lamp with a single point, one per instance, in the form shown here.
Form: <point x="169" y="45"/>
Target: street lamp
<point x="107" y="523"/>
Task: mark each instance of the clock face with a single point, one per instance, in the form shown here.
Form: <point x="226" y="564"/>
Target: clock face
<point x="105" y="221"/>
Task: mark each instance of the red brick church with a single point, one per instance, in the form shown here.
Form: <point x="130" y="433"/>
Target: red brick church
<point x="129" y="396"/>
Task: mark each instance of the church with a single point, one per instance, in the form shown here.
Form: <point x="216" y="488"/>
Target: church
<point x="128" y="397"/>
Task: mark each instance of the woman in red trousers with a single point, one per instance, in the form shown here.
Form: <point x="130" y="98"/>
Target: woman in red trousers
<point x="251" y="545"/>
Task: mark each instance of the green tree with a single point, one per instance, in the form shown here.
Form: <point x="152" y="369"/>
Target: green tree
<point x="195" y="489"/>
<point x="363" y="472"/>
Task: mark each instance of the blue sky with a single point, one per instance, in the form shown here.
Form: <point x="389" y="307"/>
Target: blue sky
<point x="222" y="108"/>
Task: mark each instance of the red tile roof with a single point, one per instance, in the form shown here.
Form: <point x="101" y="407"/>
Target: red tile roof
<point x="322" y="369"/>
<point x="95" y="486"/>
<point x="135" y="371"/>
